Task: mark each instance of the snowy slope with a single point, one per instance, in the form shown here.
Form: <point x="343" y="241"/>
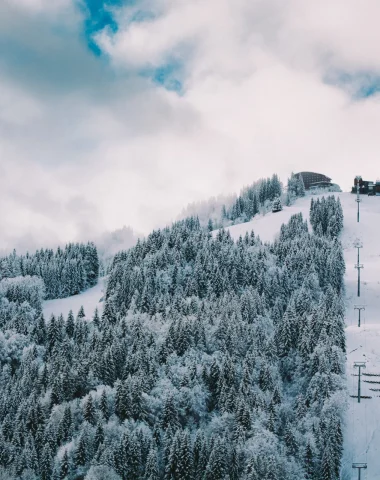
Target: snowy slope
<point x="362" y="430"/>
<point x="90" y="299"/>
<point x="363" y="344"/>
<point x="268" y="226"/>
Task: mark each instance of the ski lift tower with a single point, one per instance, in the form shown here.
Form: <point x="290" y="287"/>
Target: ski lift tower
<point x="358" y="179"/>
<point x="359" y="467"/>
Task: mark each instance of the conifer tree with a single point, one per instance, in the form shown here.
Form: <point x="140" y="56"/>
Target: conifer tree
<point x="151" y="468"/>
<point x="89" y="410"/>
<point x="81" y="451"/>
<point x="70" y="324"/>
<point x="64" y="470"/>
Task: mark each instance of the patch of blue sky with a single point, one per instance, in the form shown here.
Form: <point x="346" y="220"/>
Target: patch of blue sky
<point x="99" y="14"/>
<point x="360" y="85"/>
<point x="168" y="75"/>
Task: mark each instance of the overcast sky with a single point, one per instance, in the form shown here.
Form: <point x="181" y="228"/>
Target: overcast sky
<point x="120" y="112"/>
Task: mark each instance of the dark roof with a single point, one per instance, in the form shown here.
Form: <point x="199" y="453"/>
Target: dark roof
<point x="311" y="178"/>
<point x="325" y="182"/>
<point x="327" y="179"/>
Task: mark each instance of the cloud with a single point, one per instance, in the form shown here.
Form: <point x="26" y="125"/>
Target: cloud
<point x="182" y="101"/>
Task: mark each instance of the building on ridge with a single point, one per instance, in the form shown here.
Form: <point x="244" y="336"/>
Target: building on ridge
<point x="366" y="187"/>
<point x="313" y="180"/>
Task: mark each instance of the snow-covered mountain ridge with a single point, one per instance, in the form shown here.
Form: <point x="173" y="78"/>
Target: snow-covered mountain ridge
<point x="362" y="438"/>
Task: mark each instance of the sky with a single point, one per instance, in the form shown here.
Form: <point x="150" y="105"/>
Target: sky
<point x="121" y="112"/>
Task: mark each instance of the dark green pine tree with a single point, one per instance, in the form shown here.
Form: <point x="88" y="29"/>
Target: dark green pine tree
<point x="328" y="464"/>
<point x="121" y="400"/>
<point x="290" y="441"/>
<point x="40" y="333"/>
<point x="285" y="334"/>
<point x="216" y="468"/>
<point x="151" y="468"/>
<point x="30" y="455"/>
<point x="81" y="313"/>
<point x="173" y="458"/>
<point x="55" y="396"/>
<point x="104" y="408"/>
<point x="65" y="426"/>
<point x="185" y="464"/>
<point x="64" y="468"/>
<point x="70" y="324"/>
<point x="81" y="451"/>
<point x="213" y="384"/>
<point x="53" y="333"/>
<point x="336" y="437"/>
<point x="200" y="455"/>
<point x="309" y="463"/>
<point x="96" y="318"/>
<point x="99" y="436"/>
<point x="89" y="410"/>
<point x="234" y="465"/>
<point x="121" y="455"/>
<point x="170" y="414"/>
<point x="134" y="459"/>
<point x="46" y="463"/>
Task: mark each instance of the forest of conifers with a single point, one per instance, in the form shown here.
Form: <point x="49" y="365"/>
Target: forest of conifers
<point x="65" y="272"/>
<point x="213" y="359"/>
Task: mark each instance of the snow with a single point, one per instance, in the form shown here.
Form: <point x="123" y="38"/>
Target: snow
<point x="362" y="435"/>
<point x="362" y="429"/>
<point x="90" y="299"/>
<point x="268" y="226"/>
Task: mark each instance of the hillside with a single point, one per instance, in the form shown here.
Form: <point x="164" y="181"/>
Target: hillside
<point x="362" y="434"/>
<point x="207" y="306"/>
<point x="214" y="354"/>
<point x="265" y="226"/>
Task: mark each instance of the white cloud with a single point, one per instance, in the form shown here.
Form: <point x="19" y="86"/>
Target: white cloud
<point x="38" y="6"/>
<point x="95" y="152"/>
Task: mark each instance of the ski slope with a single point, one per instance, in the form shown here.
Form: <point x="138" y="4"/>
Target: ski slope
<point x="362" y="429"/>
<point x="268" y="226"/>
<point x="362" y="435"/>
<point x="90" y="299"/>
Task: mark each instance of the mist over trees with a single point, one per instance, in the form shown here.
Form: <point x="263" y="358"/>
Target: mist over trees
<point x="65" y="272"/>
<point x="213" y="359"/>
<point x="227" y="210"/>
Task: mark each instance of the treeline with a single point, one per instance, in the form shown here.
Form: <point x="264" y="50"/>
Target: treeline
<point x="21" y="290"/>
<point x="326" y="216"/>
<point x="261" y="196"/>
<point x="213" y="359"/>
<point x="248" y="203"/>
<point x="65" y="272"/>
<point x="296" y="188"/>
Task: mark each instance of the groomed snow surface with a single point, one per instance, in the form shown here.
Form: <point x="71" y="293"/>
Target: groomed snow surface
<point x="362" y="433"/>
<point x="90" y="299"/>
